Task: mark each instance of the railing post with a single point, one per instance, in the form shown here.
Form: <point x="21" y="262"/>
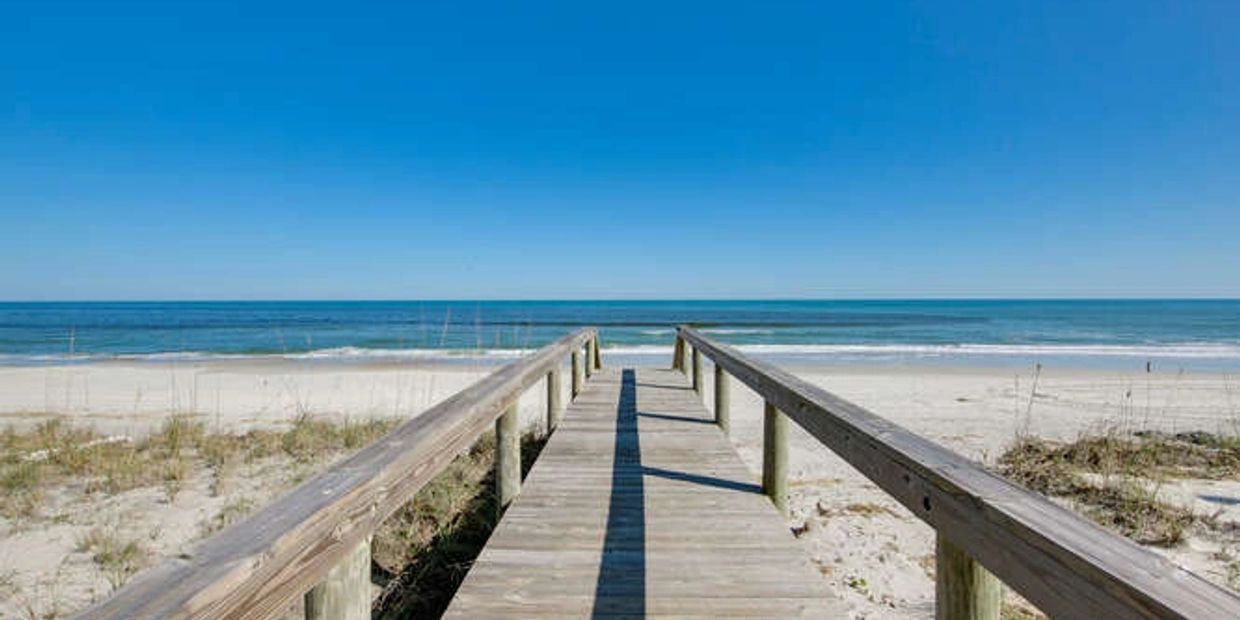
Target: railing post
<point x="507" y="458"/>
<point x="589" y="358"/>
<point x="963" y="589"/>
<point x="576" y="373"/>
<point x="775" y="456"/>
<point x="345" y="593"/>
<point x="678" y="355"/>
<point x="723" y="399"/>
<point x="553" y="400"/>
<point x="684" y="359"/>
<point x="598" y="355"/>
<point x="697" y="371"/>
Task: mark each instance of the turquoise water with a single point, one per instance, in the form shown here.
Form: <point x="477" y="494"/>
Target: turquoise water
<point x="1191" y="334"/>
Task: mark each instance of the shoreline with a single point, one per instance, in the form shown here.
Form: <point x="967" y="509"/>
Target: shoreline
<point x="250" y="391"/>
<point x="1212" y="356"/>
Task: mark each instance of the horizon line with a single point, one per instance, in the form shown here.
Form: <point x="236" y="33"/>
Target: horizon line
<point x="603" y="299"/>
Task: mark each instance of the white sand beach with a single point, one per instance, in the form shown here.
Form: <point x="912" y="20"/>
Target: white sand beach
<point x="873" y="552"/>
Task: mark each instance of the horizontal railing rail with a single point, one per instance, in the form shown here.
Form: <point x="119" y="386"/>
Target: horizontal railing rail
<point x="259" y="566"/>
<point x="1064" y="564"/>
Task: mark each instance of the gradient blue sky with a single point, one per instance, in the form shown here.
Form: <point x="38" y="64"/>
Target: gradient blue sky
<point x="580" y="149"/>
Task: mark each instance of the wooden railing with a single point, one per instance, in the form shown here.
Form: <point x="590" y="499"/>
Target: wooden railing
<point x="315" y="540"/>
<point x="988" y="529"/>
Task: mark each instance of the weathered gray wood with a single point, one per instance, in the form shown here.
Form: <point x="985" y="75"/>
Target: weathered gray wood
<point x="1066" y="565"/>
<point x="678" y="354"/>
<point x="345" y="593"/>
<point x="576" y="373"/>
<point x="723" y="400"/>
<point x="589" y="360"/>
<point x="963" y="589"/>
<point x="257" y="567"/>
<point x="775" y="456"/>
<point x="697" y="371"/>
<point x="639" y="506"/>
<point x="554" y="407"/>
<point x="598" y="355"/>
<point x="507" y="458"/>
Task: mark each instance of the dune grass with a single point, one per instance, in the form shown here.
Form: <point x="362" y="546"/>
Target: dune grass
<point x="55" y="455"/>
<point x="421" y="553"/>
<point x="1114" y="478"/>
<point x="118" y="557"/>
<point x="426" y="548"/>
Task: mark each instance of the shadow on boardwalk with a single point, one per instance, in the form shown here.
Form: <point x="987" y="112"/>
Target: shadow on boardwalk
<point x="621" y="587"/>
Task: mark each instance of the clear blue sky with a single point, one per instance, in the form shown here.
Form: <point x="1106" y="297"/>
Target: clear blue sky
<point x="582" y="149"/>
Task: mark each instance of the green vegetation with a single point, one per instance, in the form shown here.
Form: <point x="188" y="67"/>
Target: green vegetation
<point x="52" y="454"/>
<point x="117" y="557"/>
<point x="426" y="548"/>
<point x="231" y="513"/>
<point x="1126" y="470"/>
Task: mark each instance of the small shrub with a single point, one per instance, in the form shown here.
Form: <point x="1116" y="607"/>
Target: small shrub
<point x="231" y="513"/>
<point x="118" y="558"/>
<point x="1126" y="499"/>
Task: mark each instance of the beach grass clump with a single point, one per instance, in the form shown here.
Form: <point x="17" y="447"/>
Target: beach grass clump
<point x="55" y="455"/>
<point x="1114" y="479"/>
<point x="1152" y="454"/>
<point x="426" y="548"/>
<point x="21" y="485"/>
<point x="1145" y="454"/>
<point x="310" y="437"/>
<point x="1132" y="508"/>
<point x="117" y="557"/>
<point x="1010" y="610"/>
<point x="232" y="512"/>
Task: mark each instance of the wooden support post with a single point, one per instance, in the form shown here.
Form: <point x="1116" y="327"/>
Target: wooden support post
<point x="684" y="360"/>
<point x="576" y="373"/>
<point x="554" y="410"/>
<point x="589" y="359"/>
<point x="723" y="400"/>
<point x="507" y="458"/>
<point x="963" y="590"/>
<point x="775" y="456"/>
<point x="345" y="594"/>
<point x="697" y="371"/>
<point x="598" y="355"/>
<point x="678" y="356"/>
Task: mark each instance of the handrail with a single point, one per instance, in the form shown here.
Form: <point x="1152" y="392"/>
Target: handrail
<point x="257" y="567"/>
<point x="1064" y="564"/>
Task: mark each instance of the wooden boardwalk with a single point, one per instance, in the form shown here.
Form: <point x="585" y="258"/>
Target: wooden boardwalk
<point x="639" y="506"/>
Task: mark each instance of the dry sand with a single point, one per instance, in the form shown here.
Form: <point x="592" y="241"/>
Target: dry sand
<point x="876" y="554"/>
<point x="873" y="552"/>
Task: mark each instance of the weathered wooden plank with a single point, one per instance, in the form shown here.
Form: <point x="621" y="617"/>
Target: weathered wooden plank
<point x="775" y="456"/>
<point x="963" y="590"/>
<point x="638" y="505"/>
<point x="507" y="459"/>
<point x="1066" y="565"/>
<point x="576" y="368"/>
<point x="723" y="400"/>
<point x="345" y="593"/>
<point x="697" y="371"/>
<point x="255" y="568"/>
<point x="554" y="407"/>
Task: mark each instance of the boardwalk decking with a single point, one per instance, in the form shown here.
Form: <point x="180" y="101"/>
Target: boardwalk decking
<point x="638" y="505"/>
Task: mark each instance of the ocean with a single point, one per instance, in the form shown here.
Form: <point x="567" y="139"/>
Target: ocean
<point x="1190" y="334"/>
